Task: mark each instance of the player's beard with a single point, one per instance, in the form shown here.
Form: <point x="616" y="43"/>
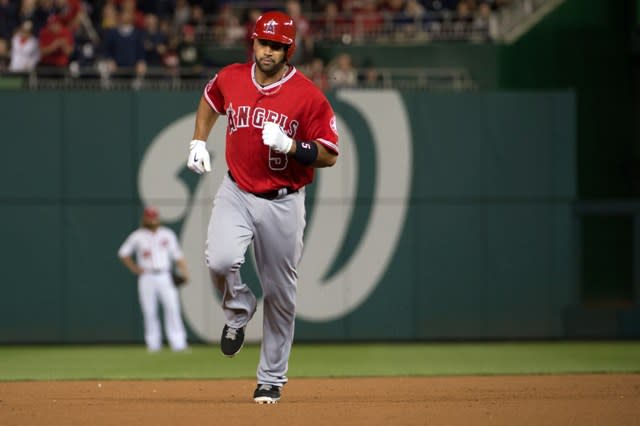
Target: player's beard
<point x="152" y="226"/>
<point x="270" y="70"/>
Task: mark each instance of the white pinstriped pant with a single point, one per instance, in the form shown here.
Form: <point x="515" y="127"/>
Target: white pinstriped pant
<point x="154" y="290"/>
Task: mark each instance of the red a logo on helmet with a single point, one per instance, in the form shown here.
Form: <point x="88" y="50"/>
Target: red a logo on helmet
<point x="270" y="27"/>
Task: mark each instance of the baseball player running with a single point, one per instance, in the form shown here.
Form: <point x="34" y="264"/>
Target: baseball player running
<point x="280" y="128"/>
<point x="156" y="248"/>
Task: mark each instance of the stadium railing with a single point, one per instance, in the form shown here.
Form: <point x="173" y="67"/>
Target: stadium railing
<point x="91" y="78"/>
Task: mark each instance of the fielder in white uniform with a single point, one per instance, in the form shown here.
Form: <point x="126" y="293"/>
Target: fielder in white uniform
<point x="156" y="248"/>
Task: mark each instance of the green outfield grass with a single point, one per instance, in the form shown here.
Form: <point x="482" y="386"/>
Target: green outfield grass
<point x="320" y="360"/>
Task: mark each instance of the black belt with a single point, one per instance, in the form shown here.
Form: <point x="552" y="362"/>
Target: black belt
<point x="269" y="195"/>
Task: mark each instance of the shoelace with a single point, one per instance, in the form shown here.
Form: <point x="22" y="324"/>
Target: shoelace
<point x="265" y="387"/>
<point x="231" y="333"/>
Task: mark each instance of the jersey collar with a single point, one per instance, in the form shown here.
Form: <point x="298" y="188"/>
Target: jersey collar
<point x="272" y="86"/>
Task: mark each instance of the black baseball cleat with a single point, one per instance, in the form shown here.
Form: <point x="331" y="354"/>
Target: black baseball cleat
<point x="266" y="394"/>
<point x="232" y="340"/>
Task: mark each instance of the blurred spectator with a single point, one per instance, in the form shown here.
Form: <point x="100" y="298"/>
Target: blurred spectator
<point x="490" y="3"/>
<point x="392" y="10"/>
<point x="412" y="18"/>
<point x="124" y="47"/>
<point x="397" y="19"/>
<point x="209" y="7"/>
<point x="464" y="18"/>
<point x="440" y="5"/>
<point x="392" y="7"/>
<point x="154" y="41"/>
<point x="109" y="17"/>
<point x="28" y="12"/>
<point x="132" y="7"/>
<point x="220" y="22"/>
<point x="84" y="55"/>
<point x="181" y="14"/>
<point x="44" y="9"/>
<point x="341" y="72"/>
<point x="69" y="12"/>
<point x="227" y="29"/>
<point x="74" y="15"/>
<point x="370" y="77"/>
<point x="198" y="21"/>
<point x="170" y="57"/>
<point x="332" y="25"/>
<point x="350" y="6"/>
<point x="4" y="54"/>
<point x="25" y="50"/>
<point x="414" y="9"/>
<point x="482" y="22"/>
<point x="252" y="16"/>
<point x="56" y="43"/>
<point x="304" y="38"/>
<point x="500" y="3"/>
<point x="367" y="21"/>
<point x="8" y="19"/>
<point x="189" y="53"/>
<point x="317" y="74"/>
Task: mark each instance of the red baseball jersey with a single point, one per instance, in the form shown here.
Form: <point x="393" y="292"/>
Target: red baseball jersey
<point x="294" y="103"/>
<point x="57" y="57"/>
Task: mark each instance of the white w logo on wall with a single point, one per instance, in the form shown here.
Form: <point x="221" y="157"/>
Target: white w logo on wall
<point x="321" y="296"/>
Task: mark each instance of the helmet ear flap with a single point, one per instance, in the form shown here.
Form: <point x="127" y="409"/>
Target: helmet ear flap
<point x="289" y="50"/>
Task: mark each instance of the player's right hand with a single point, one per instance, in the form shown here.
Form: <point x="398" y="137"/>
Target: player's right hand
<point x="199" y="159"/>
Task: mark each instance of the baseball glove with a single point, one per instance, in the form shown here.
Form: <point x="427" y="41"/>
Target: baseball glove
<point x="178" y="279"/>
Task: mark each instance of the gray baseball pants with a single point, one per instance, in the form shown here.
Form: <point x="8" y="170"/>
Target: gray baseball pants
<point x="276" y="229"/>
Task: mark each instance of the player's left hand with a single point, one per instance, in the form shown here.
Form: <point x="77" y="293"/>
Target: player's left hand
<point x="275" y="138"/>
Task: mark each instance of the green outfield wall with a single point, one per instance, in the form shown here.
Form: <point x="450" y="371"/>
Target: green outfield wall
<point x="583" y="46"/>
<point x="447" y="216"/>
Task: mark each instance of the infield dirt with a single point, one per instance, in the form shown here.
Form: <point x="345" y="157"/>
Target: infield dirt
<point x="477" y="400"/>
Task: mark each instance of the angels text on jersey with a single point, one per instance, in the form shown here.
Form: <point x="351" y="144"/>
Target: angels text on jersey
<point x="244" y="116"/>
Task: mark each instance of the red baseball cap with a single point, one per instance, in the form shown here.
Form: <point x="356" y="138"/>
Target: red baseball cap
<point x="150" y="213"/>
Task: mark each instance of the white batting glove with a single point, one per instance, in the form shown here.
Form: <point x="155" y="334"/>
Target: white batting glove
<point x="199" y="159"/>
<point x="275" y="138"/>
